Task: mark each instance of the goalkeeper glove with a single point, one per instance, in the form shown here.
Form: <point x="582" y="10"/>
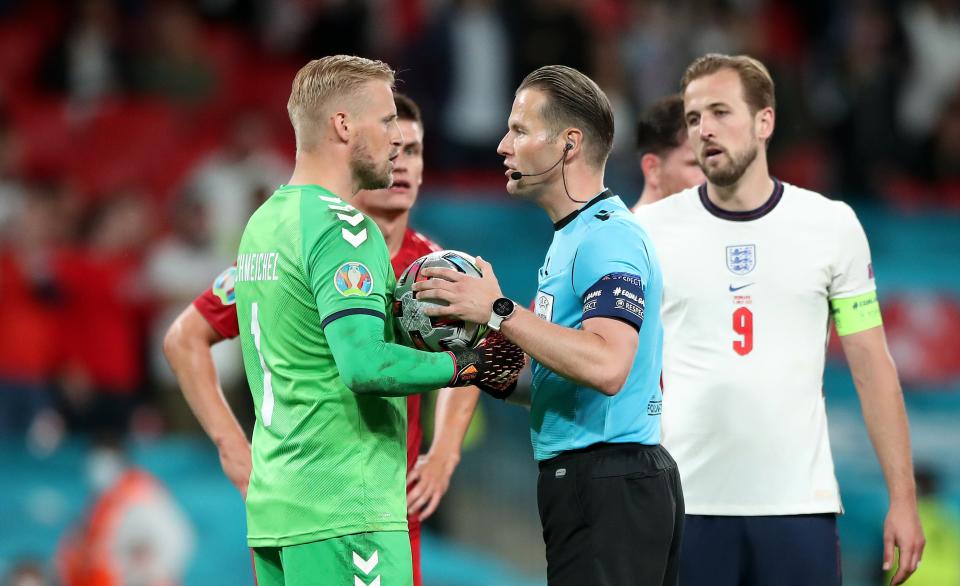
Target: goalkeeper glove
<point x="493" y="365"/>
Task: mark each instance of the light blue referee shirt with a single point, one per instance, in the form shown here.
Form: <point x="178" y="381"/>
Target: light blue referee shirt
<point x="600" y="264"/>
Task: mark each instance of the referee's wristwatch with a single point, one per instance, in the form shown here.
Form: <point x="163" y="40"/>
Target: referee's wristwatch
<point x="503" y="308"/>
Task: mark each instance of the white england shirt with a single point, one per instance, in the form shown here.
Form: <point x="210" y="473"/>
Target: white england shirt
<point x="746" y="317"/>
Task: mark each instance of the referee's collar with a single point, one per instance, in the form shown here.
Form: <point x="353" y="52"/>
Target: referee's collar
<point x="564" y="221"/>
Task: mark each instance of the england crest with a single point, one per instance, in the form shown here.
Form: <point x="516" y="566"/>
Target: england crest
<point x="742" y="258"/>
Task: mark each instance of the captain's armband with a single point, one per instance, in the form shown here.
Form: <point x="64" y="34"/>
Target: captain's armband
<point x="856" y="314"/>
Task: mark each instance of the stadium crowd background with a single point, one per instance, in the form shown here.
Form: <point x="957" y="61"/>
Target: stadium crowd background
<point x="136" y="136"/>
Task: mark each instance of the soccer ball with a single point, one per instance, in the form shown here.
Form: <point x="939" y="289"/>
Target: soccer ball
<point x="435" y="334"/>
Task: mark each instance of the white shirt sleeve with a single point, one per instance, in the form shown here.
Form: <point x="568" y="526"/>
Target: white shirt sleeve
<point x="852" y="269"/>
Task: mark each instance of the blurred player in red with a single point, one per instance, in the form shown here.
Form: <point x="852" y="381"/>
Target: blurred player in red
<point x="213" y="317"/>
<point x="668" y="162"/>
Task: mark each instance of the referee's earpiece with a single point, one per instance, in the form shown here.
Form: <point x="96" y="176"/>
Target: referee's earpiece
<point x="567" y="146"/>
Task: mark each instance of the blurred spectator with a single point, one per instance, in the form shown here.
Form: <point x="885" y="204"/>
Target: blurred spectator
<point x="177" y="267"/>
<point x="653" y="59"/>
<point x="133" y="532"/>
<point x="229" y="181"/>
<point x="551" y="32"/>
<point x="11" y="187"/>
<point x="106" y="315"/>
<point x="460" y="73"/>
<point x="31" y="307"/>
<point x="173" y="64"/>
<point x="315" y="29"/>
<point x="88" y="59"/>
<point x="27" y="572"/>
<point x="853" y="86"/>
<point x="940" y="154"/>
<point x="941" y="525"/>
<point x="933" y="36"/>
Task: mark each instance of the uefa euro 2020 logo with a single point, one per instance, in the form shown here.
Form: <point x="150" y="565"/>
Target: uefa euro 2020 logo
<point x="353" y="279"/>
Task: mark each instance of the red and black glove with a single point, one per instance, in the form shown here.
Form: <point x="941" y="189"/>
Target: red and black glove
<point x="493" y="365"/>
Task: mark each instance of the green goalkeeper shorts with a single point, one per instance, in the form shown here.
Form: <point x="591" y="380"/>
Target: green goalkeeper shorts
<point x="381" y="557"/>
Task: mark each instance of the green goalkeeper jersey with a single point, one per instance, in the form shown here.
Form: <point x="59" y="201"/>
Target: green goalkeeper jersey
<point x="327" y="462"/>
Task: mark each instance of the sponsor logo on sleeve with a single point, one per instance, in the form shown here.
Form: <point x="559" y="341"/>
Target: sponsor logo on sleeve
<point x="224" y="286"/>
<point x="353" y="279"/>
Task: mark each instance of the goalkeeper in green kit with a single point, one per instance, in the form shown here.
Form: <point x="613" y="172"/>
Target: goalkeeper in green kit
<point x="326" y="501"/>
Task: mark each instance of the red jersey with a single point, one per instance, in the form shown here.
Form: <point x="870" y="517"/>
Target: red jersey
<point x="32" y="323"/>
<point x="106" y="319"/>
<point x="217" y="306"/>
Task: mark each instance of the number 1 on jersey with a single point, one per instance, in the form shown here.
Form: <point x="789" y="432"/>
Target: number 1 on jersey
<point x="266" y="408"/>
<point x="743" y="325"/>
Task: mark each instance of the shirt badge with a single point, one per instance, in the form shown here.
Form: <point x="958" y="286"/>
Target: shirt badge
<point x="742" y="258"/>
<point x="224" y="286"/>
<point x="353" y="279"/>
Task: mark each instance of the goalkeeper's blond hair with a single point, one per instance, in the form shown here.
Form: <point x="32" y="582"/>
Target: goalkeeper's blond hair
<point x="321" y="83"/>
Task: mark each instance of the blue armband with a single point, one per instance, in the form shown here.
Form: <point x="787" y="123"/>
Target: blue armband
<point x="616" y="296"/>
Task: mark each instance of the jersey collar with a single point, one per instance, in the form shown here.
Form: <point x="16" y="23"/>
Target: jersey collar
<point x="564" y="221"/>
<point x="748" y="215"/>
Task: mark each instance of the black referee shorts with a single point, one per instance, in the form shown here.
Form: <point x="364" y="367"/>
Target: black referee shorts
<point x="612" y="515"/>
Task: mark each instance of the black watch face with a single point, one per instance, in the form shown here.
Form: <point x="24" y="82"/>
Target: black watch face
<point x="502" y="307"/>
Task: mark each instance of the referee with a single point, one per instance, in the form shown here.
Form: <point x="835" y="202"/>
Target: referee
<point x="609" y="495"/>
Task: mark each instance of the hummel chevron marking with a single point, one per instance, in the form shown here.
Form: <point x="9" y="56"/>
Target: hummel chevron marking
<point x="355" y="239"/>
<point x="366" y="566"/>
<point x="344" y="208"/>
<point x="330" y="199"/>
<point x="352" y="220"/>
<point x="358" y="582"/>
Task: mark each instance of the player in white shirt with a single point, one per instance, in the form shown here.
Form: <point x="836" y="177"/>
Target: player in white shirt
<point x="753" y="270"/>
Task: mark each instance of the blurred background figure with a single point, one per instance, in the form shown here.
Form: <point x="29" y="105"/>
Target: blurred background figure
<point x="105" y="323"/>
<point x="229" y="182"/>
<point x="132" y="533"/>
<point x="32" y="302"/>
<point x="173" y="64"/>
<point x="88" y="59"/>
<point x="27" y="572"/>
<point x="941" y="523"/>
<point x="181" y="263"/>
<point x="668" y="163"/>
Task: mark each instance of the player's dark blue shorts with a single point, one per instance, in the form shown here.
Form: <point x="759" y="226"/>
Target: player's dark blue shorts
<point x="784" y="550"/>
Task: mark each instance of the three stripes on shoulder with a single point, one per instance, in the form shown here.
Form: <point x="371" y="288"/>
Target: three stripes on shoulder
<point x="336" y="204"/>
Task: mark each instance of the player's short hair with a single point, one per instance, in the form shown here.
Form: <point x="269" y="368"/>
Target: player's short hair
<point x="322" y="80"/>
<point x="758" y="89"/>
<point x="407" y="109"/>
<point x="661" y="127"/>
<point x="573" y="99"/>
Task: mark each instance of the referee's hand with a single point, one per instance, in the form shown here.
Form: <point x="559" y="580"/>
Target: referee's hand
<point x="469" y="298"/>
<point x="901" y="530"/>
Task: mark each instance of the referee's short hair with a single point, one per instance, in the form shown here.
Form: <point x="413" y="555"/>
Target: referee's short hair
<point x="661" y="127"/>
<point x="322" y="80"/>
<point x="575" y="100"/>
